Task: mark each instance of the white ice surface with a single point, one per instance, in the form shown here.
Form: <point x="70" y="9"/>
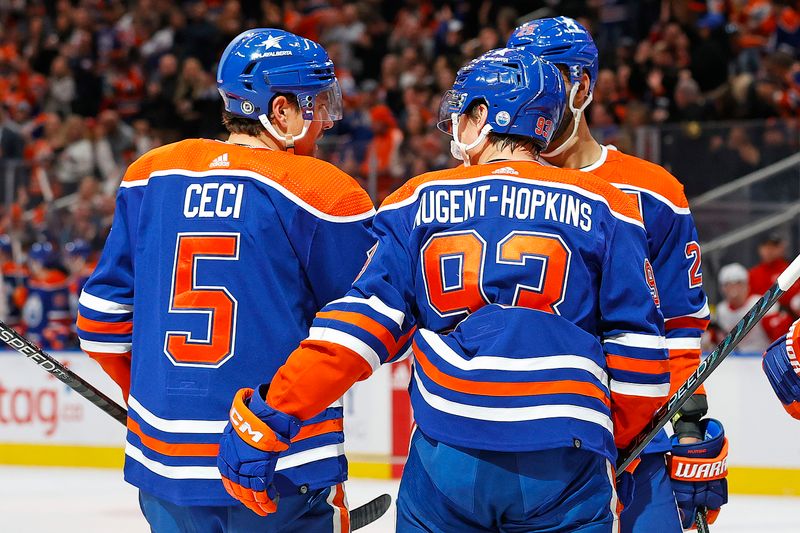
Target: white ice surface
<point x="65" y="500"/>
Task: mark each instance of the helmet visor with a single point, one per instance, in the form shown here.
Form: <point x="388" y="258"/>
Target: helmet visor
<point x="323" y="106"/>
<point x="452" y="102"/>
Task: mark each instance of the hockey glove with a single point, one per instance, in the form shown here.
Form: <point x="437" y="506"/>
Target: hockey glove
<point x="783" y="370"/>
<point x="249" y="448"/>
<point x="698" y="473"/>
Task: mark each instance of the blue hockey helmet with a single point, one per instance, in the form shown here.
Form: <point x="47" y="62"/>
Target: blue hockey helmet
<point x="560" y="40"/>
<point x="525" y="96"/>
<point x="262" y="62"/>
<point x="563" y="41"/>
<point x="78" y="248"/>
<point x="42" y="252"/>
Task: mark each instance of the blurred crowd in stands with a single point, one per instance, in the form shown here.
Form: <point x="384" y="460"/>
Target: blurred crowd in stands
<point x="89" y="85"/>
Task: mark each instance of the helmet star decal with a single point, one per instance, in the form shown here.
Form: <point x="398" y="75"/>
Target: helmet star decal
<point x="272" y="42"/>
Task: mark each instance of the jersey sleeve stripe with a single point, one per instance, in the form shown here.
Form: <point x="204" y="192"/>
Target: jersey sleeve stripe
<point x="685" y="322"/>
<point x="404" y="347"/>
<point x="347" y="341"/>
<point x="97" y="326"/>
<point x="637" y="340"/>
<point x="493" y="388"/>
<point x="704" y="312"/>
<point x="684" y="343"/>
<point x="655" y="390"/>
<point x="105" y="347"/>
<point x="330" y="451"/>
<point x="102" y="305"/>
<point x="320" y="428"/>
<point x="270" y="183"/>
<point x="377" y="305"/>
<point x="373" y="327"/>
<point x="176" y="426"/>
<point x="632" y="364"/>
<point x="675" y="209"/>
<point x="511" y="414"/>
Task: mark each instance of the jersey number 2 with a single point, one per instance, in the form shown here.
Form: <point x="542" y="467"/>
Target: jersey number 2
<point x="467" y="251"/>
<point x="186" y="296"/>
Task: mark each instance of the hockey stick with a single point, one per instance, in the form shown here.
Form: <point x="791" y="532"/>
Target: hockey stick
<point x="70" y="378"/>
<point x="359" y="517"/>
<point x="700" y="521"/>
<point x="709" y="364"/>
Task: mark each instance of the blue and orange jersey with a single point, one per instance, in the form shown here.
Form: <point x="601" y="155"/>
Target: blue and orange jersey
<point x="218" y="258"/>
<point x="526" y="297"/>
<point x="15" y="278"/>
<point x="45" y="315"/>
<point x="675" y="254"/>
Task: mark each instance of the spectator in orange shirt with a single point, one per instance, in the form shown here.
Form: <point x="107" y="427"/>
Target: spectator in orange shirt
<point x="382" y="157"/>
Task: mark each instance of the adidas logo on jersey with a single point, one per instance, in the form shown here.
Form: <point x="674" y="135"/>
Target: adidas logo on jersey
<point x="506" y="170"/>
<point x="220" y="161"/>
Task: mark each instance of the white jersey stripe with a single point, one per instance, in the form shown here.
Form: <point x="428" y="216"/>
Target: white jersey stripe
<point x="702" y="313"/>
<point x="348" y="341"/>
<point x="259" y="178"/>
<point x="552" y="362"/>
<point x="684" y="343"/>
<point x="211" y="472"/>
<point x="101" y="305"/>
<point x="105" y="347"/>
<point x="377" y="305"/>
<point x="175" y="426"/>
<point x="512" y="414"/>
<point x="660" y="390"/>
<point x="637" y="340"/>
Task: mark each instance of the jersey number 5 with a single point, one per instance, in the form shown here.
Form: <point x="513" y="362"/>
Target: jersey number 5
<point x="462" y="255"/>
<point x="186" y="296"/>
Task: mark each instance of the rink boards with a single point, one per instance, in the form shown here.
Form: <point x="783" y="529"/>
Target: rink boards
<point x="43" y="422"/>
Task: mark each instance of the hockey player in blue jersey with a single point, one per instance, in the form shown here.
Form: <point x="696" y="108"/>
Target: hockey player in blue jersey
<point x="675" y="255"/>
<point x="523" y="293"/>
<point x="219" y="256"/>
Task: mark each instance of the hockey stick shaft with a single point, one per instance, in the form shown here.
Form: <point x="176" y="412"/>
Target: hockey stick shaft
<point x="709" y="364"/>
<point x="64" y="374"/>
<point x="700" y="521"/>
<point x="360" y="516"/>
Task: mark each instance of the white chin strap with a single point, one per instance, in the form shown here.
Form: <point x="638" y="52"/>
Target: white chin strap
<point x="287" y="140"/>
<point x="457" y="148"/>
<point x="576" y="114"/>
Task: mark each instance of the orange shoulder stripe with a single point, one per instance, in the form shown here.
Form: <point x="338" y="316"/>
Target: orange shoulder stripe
<point x="624" y="169"/>
<point x="617" y="201"/>
<point x="315" y="182"/>
<point x="491" y="388"/>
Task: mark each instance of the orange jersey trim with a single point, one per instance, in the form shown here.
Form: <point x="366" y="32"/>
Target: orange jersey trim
<point x="315" y="182"/>
<point x="96" y="326"/>
<point x="320" y="428"/>
<point x="491" y="388"/>
<point x="173" y="449"/>
<point x="629" y="364"/>
<point x="530" y="170"/>
<point x="686" y="322"/>
<point x="373" y="327"/>
<point x="624" y="169"/>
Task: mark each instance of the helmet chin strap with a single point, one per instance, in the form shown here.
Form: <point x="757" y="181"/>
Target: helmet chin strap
<point x="458" y="149"/>
<point x="576" y="115"/>
<point x="287" y="140"/>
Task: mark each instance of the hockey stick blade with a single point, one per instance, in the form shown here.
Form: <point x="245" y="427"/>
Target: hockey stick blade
<point x="359" y="517"/>
<point x="67" y="376"/>
<point x="708" y="365"/>
<point x="369" y="512"/>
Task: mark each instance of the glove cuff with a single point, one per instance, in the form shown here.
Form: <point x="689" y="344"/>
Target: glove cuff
<point x="699" y="469"/>
<point x="261" y="426"/>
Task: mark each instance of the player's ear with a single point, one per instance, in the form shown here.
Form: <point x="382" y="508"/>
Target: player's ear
<point x="280" y="108"/>
<point x="583" y="90"/>
<point x="481" y="115"/>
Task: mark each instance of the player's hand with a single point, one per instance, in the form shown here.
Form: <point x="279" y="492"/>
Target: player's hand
<point x="698" y="473"/>
<point x="248" y="451"/>
<point x="783" y="371"/>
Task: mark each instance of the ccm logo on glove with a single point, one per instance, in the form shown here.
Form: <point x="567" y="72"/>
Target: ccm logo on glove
<point x="243" y="427"/>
